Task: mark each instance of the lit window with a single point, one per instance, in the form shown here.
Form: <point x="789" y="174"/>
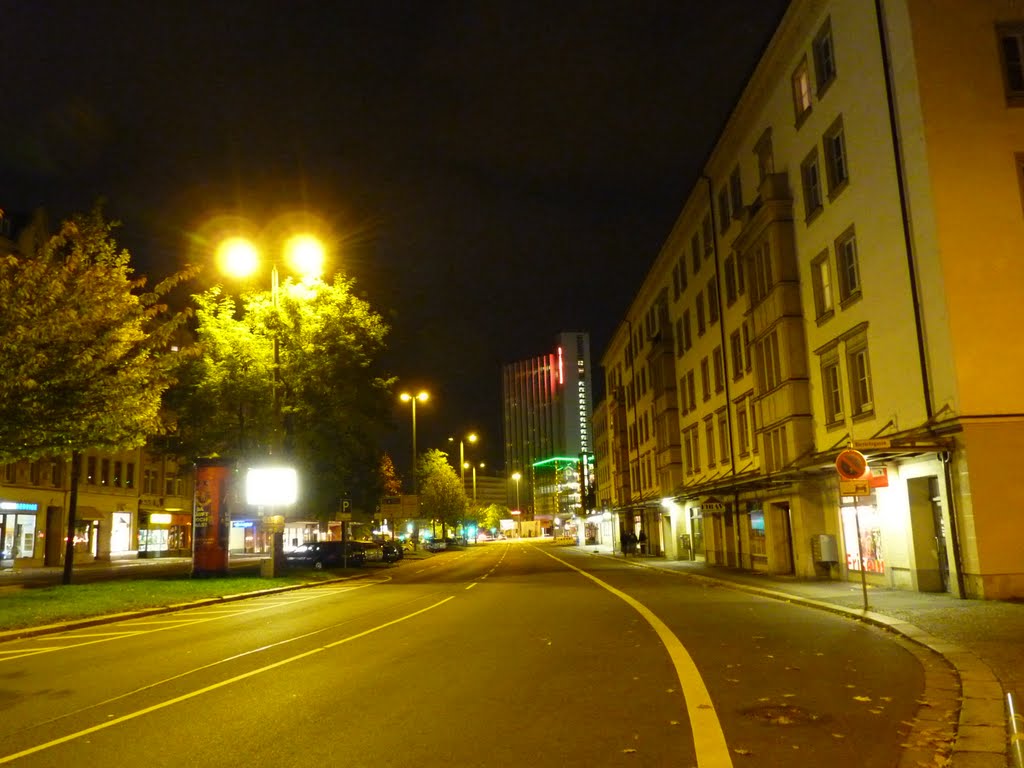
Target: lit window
<point x="801" y="92"/>
<point x="821" y="279"/>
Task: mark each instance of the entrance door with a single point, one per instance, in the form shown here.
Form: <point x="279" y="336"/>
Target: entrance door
<point x="940" y="533"/>
<point x="780" y="539"/>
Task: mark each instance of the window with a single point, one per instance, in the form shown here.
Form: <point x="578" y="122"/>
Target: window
<point x="776" y="449"/>
<point x="687" y="336"/>
<point x="736" y="349"/>
<point x="801" y="92"/>
<point x="149" y="481"/>
<point x="712" y="301"/>
<point x="743" y="428"/>
<point x="810" y="175"/>
<point x="768" y="362"/>
<point x="35" y="472"/>
<point x="724" y="219"/>
<point x="691" y="448"/>
<point x="730" y="280"/>
<point x="118" y="470"/>
<point x="836" y="169"/>
<point x="705" y="378"/>
<point x="736" y="193"/>
<point x="699" y="309"/>
<point x="691" y="389"/>
<point x="719" y="369"/>
<point x="765" y="157"/>
<point x="821" y="280"/>
<point x="709" y="236"/>
<point x="709" y="439"/>
<point x="846" y="266"/>
<point x="1011" y="47"/>
<point x="679" y="337"/>
<point x="761" y="281"/>
<point x="746" y="347"/>
<point x="831" y="388"/>
<point x="90" y="470"/>
<point x="56" y="473"/>
<point x="824" y="57"/>
<point x="129" y="475"/>
<point x="675" y="282"/>
<point x="105" y="472"/>
<point x="11" y="472"/>
<point x="684" y="403"/>
<point x="695" y="252"/>
<point x="682" y="273"/>
<point x="723" y="437"/>
<point x="861" y="402"/>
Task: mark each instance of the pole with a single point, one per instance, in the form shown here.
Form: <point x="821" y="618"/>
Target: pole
<point x="462" y="464"/>
<point x="415" y="479"/>
<point x="860" y="554"/>
<point x="276" y="383"/>
<point x="69" y="547"/>
<point x="474" y="485"/>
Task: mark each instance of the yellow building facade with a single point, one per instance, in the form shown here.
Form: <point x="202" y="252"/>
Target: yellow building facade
<point x="842" y="277"/>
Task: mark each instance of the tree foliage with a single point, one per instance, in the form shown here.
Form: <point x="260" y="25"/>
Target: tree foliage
<point x="391" y="483"/>
<point x="442" y="496"/>
<point x="333" y="397"/>
<point x="84" y="347"/>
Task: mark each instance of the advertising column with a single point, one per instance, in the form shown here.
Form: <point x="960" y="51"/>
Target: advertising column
<point x="211" y="518"/>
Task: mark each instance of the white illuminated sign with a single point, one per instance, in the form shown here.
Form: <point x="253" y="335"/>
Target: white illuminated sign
<point x="271" y="486"/>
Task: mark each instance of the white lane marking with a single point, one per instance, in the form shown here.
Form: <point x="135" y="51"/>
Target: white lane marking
<point x="200" y="691"/>
<point x="708" y="738"/>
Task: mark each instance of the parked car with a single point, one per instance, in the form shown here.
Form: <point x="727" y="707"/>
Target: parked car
<point x="372" y="550"/>
<point x="392" y="550"/>
<point x="324" y="554"/>
<point x="436" y="545"/>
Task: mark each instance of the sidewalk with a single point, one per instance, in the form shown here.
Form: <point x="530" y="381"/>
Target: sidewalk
<point x="983" y="640"/>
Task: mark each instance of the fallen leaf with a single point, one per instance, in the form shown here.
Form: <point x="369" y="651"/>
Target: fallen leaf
<point x="838" y="736"/>
<point x="739" y="751"/>
<point x="862" y="698"/>
<point x="673" y="722"/>
<point x="628" y="750"/>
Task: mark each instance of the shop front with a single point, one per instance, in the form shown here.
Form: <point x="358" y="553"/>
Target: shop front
<point x="21" y="537"/>
<point x="165" y="534"/>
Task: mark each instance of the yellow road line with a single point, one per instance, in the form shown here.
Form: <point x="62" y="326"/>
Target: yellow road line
<point x="200" y="691"/>
<point x="708" y="738"/>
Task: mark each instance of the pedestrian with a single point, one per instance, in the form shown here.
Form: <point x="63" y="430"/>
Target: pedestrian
<point x="643" y="542"/>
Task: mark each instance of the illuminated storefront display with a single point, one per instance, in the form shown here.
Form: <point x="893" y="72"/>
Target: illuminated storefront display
<point x="17" y="529"/>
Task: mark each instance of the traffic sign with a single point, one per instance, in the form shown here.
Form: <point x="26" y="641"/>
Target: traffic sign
<point x="859" y="487"/>
<point x="851" y="464"/>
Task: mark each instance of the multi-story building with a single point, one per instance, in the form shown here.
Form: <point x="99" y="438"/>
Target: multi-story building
<point x="547" y="403"/>
<point x="844" y="275"/>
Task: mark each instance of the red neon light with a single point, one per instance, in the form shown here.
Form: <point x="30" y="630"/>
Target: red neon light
<point x="561" y="378"/>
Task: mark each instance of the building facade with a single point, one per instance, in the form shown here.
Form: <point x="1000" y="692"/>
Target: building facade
<point x="547" y="403"/>
<point x="842" y="277"/>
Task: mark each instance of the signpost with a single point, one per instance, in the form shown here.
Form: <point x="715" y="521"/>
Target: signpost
<point x="853" y="472"/>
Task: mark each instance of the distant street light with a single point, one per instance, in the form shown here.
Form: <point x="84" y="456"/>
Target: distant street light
<point x="405" y="397"/>
<point x="472" y="438"/>
<point x="518" y="513"/>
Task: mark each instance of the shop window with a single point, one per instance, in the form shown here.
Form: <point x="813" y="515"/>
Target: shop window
<point x="758" y="539"/>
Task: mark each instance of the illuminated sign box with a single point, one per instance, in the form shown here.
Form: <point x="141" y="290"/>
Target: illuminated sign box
<point x="271" y="486"/>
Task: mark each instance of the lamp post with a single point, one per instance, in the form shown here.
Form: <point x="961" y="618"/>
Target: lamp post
<point x="405" y="397"/>
<point x="467" y="464"/>
<point x="239" y="256"/>
<point x="472" y="438"/>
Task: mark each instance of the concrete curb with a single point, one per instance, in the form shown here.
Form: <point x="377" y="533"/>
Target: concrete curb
<point x="109" y="618"/>
<point x="981" y="736"/>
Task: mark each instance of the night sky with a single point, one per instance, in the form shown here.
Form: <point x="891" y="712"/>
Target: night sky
<point x="493" y="172"/>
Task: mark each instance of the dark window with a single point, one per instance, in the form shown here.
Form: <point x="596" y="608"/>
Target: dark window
<point x="810" y="175"/>
<point x="824" y="57"/>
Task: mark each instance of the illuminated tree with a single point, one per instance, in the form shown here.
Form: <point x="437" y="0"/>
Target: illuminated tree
<point x="84" y="350"/>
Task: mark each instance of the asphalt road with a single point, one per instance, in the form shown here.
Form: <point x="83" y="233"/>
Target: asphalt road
<point x="505" y="655"/>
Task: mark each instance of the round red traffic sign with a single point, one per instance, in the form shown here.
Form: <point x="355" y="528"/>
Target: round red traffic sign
<point x="851" y="464"/>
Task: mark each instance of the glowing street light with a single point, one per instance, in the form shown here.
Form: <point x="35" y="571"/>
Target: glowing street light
<point x="467" y="465"/>
<point x="405" y="397"/>
<point x="239" y="257"/>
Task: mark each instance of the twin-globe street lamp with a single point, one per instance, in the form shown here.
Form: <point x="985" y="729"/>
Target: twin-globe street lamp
<point x="472" y="438"/>
<point x="467" y="465"/>
<point x="239" y="257"/>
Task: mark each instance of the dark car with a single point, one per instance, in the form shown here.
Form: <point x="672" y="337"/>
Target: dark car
<point x="392" y="550"/>
<point x="372" y="550"/>
<point x="324" y="554"/>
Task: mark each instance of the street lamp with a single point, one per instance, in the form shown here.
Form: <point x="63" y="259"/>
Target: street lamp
<point x="239" y="257"/>
<point x="471" y="437"/>
<point x="405" y="397"/>
<point x="467" y="465"/>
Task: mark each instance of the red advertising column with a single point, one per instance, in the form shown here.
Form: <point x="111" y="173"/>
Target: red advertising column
<point x="211" y="518"/>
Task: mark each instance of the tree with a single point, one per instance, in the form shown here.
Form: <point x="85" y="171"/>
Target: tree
<point x="391" y="483"/>
<point x="79" y="335"/>
<point x="492" y="515"/>
<point x="334" y="400"/>
<point x="442" y="496"/>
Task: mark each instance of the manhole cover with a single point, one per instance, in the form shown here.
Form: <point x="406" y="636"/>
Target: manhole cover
<point x="781" y="714"/>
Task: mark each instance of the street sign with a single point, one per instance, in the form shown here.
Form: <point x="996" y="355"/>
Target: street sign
<point x="344" y="517"/>
<point x="851" y="464"/>
<point x="874" y="444"/>
<point x="859" y="487"/>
